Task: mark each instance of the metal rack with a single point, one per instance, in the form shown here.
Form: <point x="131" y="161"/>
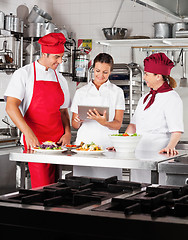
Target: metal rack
<point x="129" y="77"/>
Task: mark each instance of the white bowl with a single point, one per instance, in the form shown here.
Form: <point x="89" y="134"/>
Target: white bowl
<point x="125" y="143"/>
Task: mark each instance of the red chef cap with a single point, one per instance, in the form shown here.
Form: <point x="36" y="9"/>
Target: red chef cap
<point x="158" y="63"/>
<point x="52" y="43"/>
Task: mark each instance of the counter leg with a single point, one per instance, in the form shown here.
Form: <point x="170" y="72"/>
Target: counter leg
<point x="20" y="175"/>
<point x="154" y="177"/>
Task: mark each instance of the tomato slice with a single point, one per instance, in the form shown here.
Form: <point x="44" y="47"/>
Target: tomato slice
<point x="125" y="134"/>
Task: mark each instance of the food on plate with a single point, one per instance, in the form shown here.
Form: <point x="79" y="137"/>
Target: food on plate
<point x="125" y="134"/>
<point x="89" y="147"/>
<point x="70" y="146"/>
<point x="49" y="145"/>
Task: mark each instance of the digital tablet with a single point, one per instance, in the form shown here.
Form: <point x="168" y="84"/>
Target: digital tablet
<point x="82" y="111"/>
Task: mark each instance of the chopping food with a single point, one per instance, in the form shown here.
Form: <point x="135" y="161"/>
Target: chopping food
<point x="159" y="113"/>
<point x="100" y="93"/>
<point x="37" y="101"/>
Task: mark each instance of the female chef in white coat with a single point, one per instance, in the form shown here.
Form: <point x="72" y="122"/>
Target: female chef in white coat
<point x="99" y="92"/>
<point x="159" y="114"/>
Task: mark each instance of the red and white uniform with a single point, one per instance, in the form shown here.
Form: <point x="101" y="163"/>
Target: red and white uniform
<point x="42" y="94"/>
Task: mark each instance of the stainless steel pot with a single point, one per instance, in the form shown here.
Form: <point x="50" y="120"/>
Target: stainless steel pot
<point x="38" y="15"/>
<point x="2" y="20"/>
<point x="179" y="26"/>
<point x="13" y="23"/>
<point x="162" y="30"/>
<point x="65" y="66"/>
<point x="9" y="22"/>
<point x="39" y="29"/>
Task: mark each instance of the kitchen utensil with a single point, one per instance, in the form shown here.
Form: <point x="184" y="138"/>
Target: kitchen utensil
<point x="38" y="15"/>
<point x="2" y="20"/>
<point x="162" y="30"/>
<point x="117" y="14"/>
<point x="39" y="29"/>
<point x="13" y="23"/>
<point x="9" y="22"/>
<point x="65" y="66"/>
<point x="179" y="26"/>
<point x="183" y="80"/>
<point x="181" y="34"/>
<point x="178" y="59"/>
<point x="115" y="33"/>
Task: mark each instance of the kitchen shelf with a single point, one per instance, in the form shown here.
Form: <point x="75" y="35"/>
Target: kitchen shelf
<point x="167" y="42"/>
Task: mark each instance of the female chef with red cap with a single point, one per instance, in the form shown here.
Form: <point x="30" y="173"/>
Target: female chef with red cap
<point x="159" y="114"/>
<point x="37" y="101"/>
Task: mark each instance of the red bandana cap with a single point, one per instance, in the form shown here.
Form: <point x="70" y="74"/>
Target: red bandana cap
<point x="52" y="43"/>
<point x="158" y="63"/>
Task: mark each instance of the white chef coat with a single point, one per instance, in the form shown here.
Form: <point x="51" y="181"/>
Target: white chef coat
<point x="156" y="124"/>
<point x="108" y="95"/>
<point x="22" y="82"/>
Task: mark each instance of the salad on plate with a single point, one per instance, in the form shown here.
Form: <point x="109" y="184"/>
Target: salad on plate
<point x="92" y="147"/>
<point x="48" y="145"/>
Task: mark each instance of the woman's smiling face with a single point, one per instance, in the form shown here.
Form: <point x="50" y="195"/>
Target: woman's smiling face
<point x="101" y="72"/>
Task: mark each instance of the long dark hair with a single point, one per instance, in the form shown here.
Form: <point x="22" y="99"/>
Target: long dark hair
<point x="104" y="58"/>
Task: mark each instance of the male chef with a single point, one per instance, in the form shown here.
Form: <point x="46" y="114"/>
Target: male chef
<point x="37" y="101"/>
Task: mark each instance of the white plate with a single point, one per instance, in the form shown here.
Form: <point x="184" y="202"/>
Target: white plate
<point x="88" y="152"/>
<point x="49" y="150"/>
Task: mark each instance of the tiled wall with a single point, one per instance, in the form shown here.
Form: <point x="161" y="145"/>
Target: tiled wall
<point x="86" y="18"/>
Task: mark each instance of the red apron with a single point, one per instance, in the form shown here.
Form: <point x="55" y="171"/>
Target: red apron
<point x="44" y="118"/>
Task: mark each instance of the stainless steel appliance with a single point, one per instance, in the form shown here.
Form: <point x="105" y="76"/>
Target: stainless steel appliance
<point x="130" y="78"/>
<point x="96" y="208"/>
<point x="175" y="170"/>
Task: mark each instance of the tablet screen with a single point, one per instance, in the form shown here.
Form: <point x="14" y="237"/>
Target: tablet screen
<point x="82" y="111"/>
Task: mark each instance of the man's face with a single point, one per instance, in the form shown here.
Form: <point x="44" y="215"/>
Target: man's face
<point x="52" y="60"/>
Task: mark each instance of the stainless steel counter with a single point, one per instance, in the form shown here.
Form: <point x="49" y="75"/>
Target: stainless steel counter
<point x="139" y="160"/>
<point x="175" y="170"/>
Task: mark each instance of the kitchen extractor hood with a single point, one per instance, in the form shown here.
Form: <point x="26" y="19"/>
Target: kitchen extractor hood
<point x="175" y="8"/>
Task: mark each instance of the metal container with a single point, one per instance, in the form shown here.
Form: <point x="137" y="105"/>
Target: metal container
<point x="2" y="20"/>
<point x="115" y="33"/>
<point x="39" y="29"/>
<point x="9" y="22"/>
<point x="65" y="66"/>
<point x="38" y="15"/>
<point x="162" y="30"/>
<point x="179" y="26"/>
<point x="17" y="25"/>
<point x="13" y="23"/>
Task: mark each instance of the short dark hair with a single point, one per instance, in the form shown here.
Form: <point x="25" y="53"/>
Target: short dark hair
<point x="104" y="58"/>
